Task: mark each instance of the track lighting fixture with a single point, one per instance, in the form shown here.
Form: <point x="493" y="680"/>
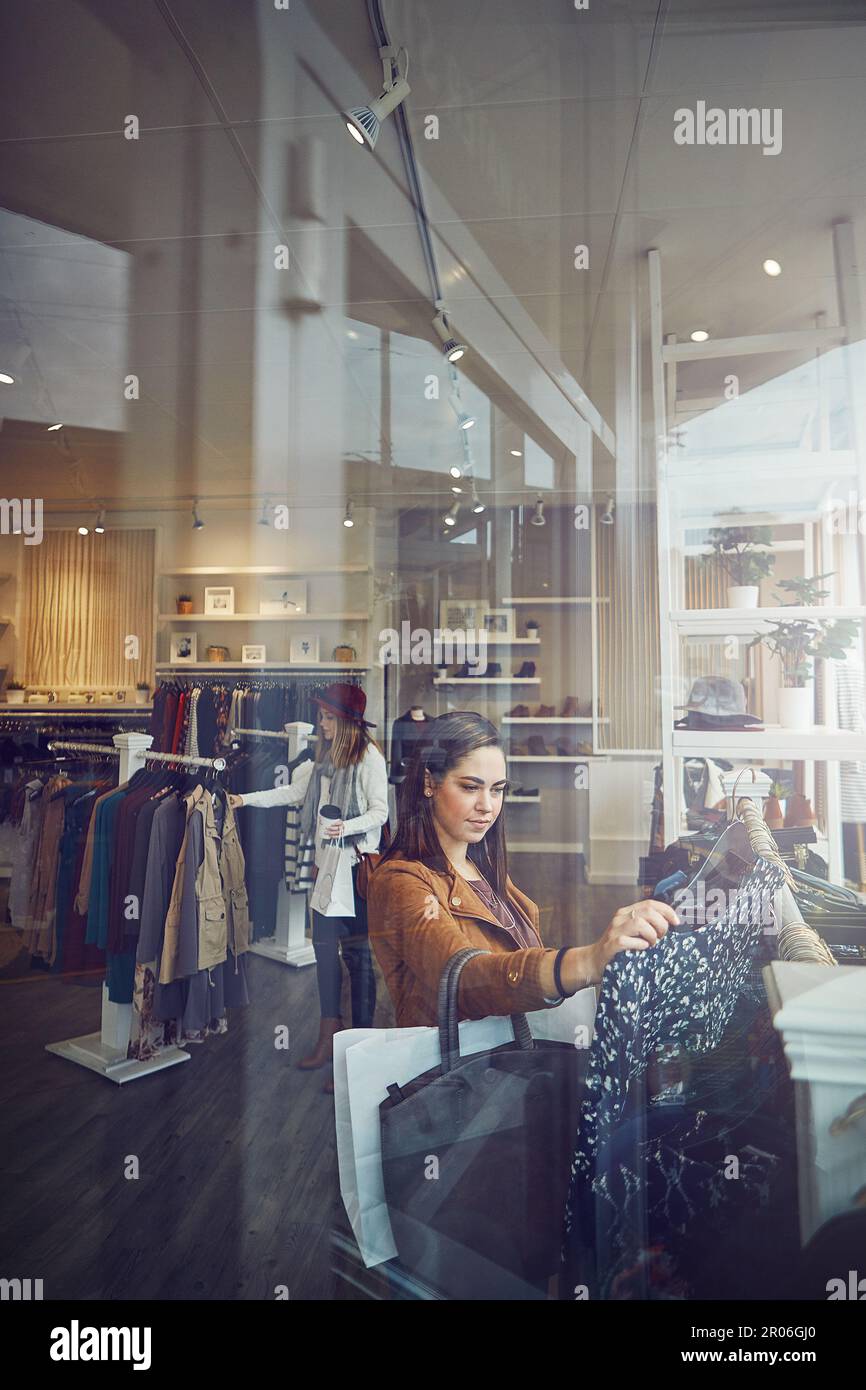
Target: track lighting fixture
<point x="700" y="335"/>
<point x="606" y="518"/>
<point x="197" y="523"/>
<point x="464" y="420"/>
<point x="84" y="530"/>
<point x="348" y="519"/>
<point x="455" y="471"/>
<point x="450" y="517"/>
<point x="477" y="504"/>
<point x="6" y="379"/>
<point x="99" y="528"/>
<point x="537" y="518"/>
<point x="455" y="487"/>
<point x="452" y="348"/>
<point x="364" y="122"/>
<point x="52" y="428"/>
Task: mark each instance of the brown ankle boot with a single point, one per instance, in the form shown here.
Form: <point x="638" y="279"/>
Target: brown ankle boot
<point x="323" y="1052"/>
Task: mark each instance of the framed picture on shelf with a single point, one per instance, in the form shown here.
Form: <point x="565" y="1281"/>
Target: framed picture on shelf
<point x="499" y="622"/>
<point x="221" y="600"/>
<point x="283" y="596"/>
<point x="253" y="654"/>
<point x="462" y="613"/>
<point x="304" y="649"/>
<point x="184" y="648"/>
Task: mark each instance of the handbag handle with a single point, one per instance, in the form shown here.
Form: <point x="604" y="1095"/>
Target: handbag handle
<point x="449" y="1036"/>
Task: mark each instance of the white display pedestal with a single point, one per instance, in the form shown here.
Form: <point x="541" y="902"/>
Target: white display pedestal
<point x="289" y="945"/>
<point x="821" y="1014"/>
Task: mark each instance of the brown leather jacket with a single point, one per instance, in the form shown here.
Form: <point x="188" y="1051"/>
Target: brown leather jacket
<point x="418" y="917"/>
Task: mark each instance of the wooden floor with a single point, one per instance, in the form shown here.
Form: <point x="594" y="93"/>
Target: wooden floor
<point x="237" y="1189"/>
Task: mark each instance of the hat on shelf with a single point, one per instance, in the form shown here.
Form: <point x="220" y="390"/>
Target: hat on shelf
<point x="716" y="702"/>
<point x="346" y="702"/>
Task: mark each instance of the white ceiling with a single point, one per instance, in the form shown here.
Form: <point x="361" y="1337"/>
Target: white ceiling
<point x="555" y="129"/>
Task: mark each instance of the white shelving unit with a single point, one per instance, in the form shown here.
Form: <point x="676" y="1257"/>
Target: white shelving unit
<point x="698" y="488"/>
<point x="331" y="618"/>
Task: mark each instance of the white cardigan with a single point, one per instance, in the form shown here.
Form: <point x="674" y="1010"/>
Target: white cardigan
<point x="372" y="788"/>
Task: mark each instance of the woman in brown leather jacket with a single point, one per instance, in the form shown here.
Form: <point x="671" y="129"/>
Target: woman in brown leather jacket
<point x="443" y="885"/>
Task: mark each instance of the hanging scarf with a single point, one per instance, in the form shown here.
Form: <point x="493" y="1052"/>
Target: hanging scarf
<point x="343" y="793"/>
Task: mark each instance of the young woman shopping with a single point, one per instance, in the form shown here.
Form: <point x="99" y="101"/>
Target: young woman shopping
<point x="443" y="885"/>
<point x="348" y="771"/>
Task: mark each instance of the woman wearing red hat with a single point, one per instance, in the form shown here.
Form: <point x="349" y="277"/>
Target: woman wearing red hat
<point x="348" y="771"/>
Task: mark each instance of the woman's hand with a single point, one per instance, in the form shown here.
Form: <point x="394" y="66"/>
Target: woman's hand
<point x="335" y="829"/>
<point x="633" y="928"/>
<point x="235" y="801"/>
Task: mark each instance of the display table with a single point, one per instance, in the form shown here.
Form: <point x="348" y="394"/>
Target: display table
<point x="821" y="1015"/>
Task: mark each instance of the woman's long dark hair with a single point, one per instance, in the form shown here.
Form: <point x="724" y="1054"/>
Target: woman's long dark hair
<point x="453" y="737"/>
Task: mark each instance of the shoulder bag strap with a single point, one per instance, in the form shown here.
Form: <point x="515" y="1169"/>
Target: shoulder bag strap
<point x="449" y="1036"/>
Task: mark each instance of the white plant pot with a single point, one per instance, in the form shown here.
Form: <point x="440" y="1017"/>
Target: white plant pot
<point x="142" y="697"/>
<point x="15" y="697"/>
<point x="743" y="595"/>
<point x="795" y="707"/>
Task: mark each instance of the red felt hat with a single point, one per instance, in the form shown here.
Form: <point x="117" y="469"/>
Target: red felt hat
<point x="345" y="701"/>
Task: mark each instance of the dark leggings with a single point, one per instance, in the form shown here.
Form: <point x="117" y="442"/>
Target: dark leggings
<point x="330" y="934"/>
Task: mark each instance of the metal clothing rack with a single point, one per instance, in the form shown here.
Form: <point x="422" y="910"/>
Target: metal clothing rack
<point x="261" y="733"/>
<point x="105" y="1052"/>
<point x="289" y="944"/>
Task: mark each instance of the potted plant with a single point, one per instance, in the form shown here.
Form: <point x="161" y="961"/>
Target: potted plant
<point x="142" y="691"/>
<point x="15" y="693"/>
<point x="734" y="550"/>
<point x="184" y="603"/>
<point x="797" y="643"/>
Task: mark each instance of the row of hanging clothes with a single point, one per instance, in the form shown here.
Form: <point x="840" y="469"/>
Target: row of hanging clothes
<point x="144" y="882"/>
<point x="195" y="715"/>
<point x="684" y="1173"/>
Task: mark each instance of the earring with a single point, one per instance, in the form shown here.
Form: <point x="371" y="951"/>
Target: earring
<point x="428" y="793"/>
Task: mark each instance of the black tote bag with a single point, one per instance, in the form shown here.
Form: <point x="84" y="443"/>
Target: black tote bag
<point x="476" y="1158"/>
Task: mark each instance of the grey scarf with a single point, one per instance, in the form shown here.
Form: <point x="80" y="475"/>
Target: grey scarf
<point x="343" y="793"/>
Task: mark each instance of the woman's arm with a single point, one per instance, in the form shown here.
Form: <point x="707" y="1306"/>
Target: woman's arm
<point x="290" y="795"/>
<point x="373" y="777"/>
<point x="411" y="921"/>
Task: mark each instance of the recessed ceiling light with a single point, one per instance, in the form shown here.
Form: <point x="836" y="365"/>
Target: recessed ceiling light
<point x="772" y="267"/>
<point x="700" y="335"/>
<point x="54" y="427"/>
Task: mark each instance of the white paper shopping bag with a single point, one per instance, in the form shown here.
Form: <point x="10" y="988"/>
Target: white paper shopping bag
<point x="368" y="1060"/>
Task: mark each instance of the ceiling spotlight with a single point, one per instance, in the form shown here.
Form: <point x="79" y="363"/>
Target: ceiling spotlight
<point x="700" y="335"/>
<point x="455" y="487"/>
<point x="197" y="523"/>
<point x="452" y="349"/>
<point x="477" y="504"/>
<point x="84" y="530"/>
<point x="516" y="453"/>
<point x="772" y="267"/>
<point x="7" y="379"/>
<point x="450" y="517"/>
<point x="54" y="427"/>
<point x="364" y="122"/>
<point x="263" y="519"/>
<point x="348" y="519"/>
<point x="455" y="471"/>
<point x="606" y="518"/>
<point x="537" y="518"/>
<point x="99" y="528"/>
<point x="464" y="420"/>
